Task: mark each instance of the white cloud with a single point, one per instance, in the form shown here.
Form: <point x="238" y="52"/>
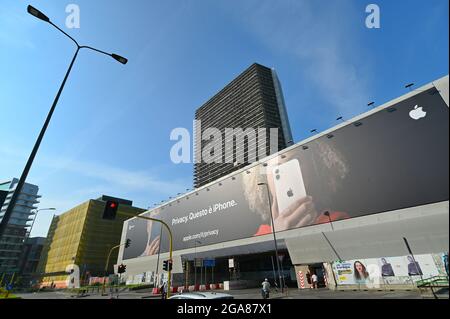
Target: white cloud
<point x="139" y="186"/>
<point x="126" y="180"/>
<point x="117" y="179"/>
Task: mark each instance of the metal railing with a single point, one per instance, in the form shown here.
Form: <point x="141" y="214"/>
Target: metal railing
<point x="435" y="282"/>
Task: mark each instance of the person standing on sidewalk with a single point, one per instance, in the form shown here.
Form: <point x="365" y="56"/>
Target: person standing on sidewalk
<point x="314" y="280"/>
<point x="164" y="290"/>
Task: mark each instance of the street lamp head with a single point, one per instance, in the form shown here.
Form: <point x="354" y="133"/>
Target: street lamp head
<point x="38" y="14"/>
<point x="50" y="208"/>
<point x="119" y="58"/>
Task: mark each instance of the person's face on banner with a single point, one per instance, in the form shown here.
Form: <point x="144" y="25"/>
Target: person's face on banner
<point x="359" y="267"/>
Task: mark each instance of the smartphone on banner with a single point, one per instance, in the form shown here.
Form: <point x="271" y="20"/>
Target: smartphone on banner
<point x="288" y="183"/>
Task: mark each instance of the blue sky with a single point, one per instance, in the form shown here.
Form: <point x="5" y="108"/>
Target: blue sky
<point x="110" y="131"/>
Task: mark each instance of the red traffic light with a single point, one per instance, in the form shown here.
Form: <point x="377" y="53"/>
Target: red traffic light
<point x="110" y="210"/>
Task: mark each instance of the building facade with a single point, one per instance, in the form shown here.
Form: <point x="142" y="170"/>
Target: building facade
<point x="344" y="203"/>
<point x="254" y="100"/>
<point x="29" y="260"/>
<point x="81" y="237"/>
<point x="12" y="241"/>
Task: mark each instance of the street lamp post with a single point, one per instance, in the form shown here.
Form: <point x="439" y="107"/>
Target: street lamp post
<point x="274" y="236"/>
<point x="38" y="14"/>
<point x="195" y="261"/>
<point x="327" y="213"/>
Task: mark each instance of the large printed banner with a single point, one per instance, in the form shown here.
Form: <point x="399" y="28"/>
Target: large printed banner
<point x="393" y="159"/>
<point x="386" y="270"/>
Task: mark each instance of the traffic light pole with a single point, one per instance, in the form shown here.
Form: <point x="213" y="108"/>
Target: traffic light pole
<point x="170" y="241"/>
<point x="107" y="263"/>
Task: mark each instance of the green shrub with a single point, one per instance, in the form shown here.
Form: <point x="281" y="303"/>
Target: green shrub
<point x="139" y="286"/>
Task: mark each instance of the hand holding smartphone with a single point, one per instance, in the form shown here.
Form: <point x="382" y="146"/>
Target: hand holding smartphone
<point x="295" y="208"/>
<point x="288" y="183"/>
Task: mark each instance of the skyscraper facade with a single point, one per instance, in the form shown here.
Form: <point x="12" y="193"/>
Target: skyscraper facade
<point x="12" y="241"/>
<point x="252" y="102"/>
<point x="31" y="253"/>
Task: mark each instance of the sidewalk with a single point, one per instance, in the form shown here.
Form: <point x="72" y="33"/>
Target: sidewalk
<point x="324" y="293"/>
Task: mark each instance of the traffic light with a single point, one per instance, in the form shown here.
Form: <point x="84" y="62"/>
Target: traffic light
<point x="184" y="263"/>
<point x="127" y="243"/>
<point x="167" y="265"/>
<point x="121" y="269"/>
<point x="110" y="210"/>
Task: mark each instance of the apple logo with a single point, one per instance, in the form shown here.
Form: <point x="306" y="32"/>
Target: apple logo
<point x="417" y="113"/>
<point x="290" y="193"/>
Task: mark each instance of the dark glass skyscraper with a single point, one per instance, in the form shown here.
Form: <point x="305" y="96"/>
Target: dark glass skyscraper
<point x="254" y="100"/>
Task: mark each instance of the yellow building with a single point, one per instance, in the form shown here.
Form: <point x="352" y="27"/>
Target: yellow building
<point x="82" y="237"/>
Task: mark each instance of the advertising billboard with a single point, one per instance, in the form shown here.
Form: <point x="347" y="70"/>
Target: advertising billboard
<point x="395" y="158"/>
<point x="385" y="270"/>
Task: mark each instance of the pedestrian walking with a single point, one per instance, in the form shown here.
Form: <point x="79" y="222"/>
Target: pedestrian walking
<point x="265" y="289"/>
